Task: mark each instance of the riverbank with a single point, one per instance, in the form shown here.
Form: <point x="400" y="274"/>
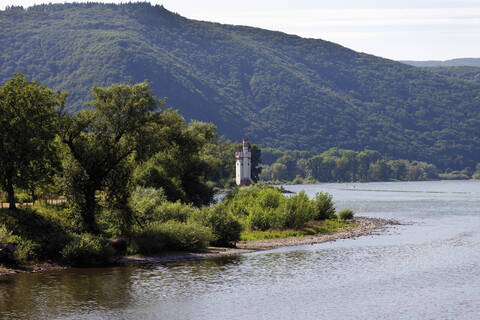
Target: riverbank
<point x="360" y="226"/>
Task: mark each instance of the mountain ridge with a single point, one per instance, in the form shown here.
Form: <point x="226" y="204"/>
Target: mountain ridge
<point x="458" y="62"/>
<point x="280" y="90"/>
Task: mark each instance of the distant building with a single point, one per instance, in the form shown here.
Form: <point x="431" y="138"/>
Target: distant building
<point x="243" y="158"/>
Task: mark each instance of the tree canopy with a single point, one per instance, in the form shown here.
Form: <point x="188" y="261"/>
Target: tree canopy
<point x="28" y="119"/>
<point x="101" y="141"/>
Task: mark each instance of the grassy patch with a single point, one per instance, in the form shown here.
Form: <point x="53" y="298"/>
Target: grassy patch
<point x="324" y="227"/>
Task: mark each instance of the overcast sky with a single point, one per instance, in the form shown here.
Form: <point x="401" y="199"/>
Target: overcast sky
<point x="400" y="30"/>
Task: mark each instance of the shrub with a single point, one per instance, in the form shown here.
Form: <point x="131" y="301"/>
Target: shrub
<point x="172" y="235"/>
<point x="297" y="211"/>
<point x="298" y="180"/>
<point x="324" y="207"/>
<point x="173" y="211"/>
<point x="270" y="198"/>
<point x="225" y="227"/>
<point x="149" y="205"/>
<point x="345" y="214"/>
<point x="5" y="235"/>
<point x="260" y="218"/>
<point x="144" y="201"/>
<point x="87" y="250"/>
<point x="150" y="240"/>
<point x="38" y="233"/>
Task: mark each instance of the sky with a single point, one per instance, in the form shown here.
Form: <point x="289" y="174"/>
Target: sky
<point x="394" y="29"/>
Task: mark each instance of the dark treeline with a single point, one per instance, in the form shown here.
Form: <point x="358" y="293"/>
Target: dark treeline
<point x="340" y="165"/>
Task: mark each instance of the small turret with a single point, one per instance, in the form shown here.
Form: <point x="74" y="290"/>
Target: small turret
<point x="243" y="165"/>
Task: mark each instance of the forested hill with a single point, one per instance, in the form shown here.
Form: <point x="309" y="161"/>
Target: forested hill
<point x="460" y="62"/>
<point x="461" y="72"/>
<point x="276" y="89"/>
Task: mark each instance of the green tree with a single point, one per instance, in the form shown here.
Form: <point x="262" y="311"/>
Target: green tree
<point x="101" y="142"/>
<point x="256" y="162"/>
<point x="28" y="117"/>
<point x="476" y="174"/>
<point x="220" y="154"/>
<point x="181" y="169"/>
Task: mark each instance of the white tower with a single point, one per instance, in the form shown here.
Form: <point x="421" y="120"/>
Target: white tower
<point x="243" y="166"/>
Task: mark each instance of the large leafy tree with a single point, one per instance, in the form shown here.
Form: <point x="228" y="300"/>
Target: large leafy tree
<point x="28" y="117"/>
<point x="182" y="169"/>
<point x="102" y="142"/>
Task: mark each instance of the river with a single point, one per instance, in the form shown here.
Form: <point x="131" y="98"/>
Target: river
<point x="427" y="268"/>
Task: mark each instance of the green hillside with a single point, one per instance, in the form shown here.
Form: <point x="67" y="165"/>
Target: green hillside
<point x="461" y="72"/>
<point x="276" y="89"/>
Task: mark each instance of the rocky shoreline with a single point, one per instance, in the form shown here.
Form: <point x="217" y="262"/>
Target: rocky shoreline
<point x="360" y="226"/>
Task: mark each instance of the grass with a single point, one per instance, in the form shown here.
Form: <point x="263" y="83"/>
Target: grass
<point x="313" y="228"/>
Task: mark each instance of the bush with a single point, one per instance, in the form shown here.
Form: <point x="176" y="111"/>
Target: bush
<point x="172" y="235"/>
<point x="262" y="208"/>
<point x="260" y="218"/>
<point x="345" y="214"/>
<point x="38" y="233"/>
<point x="144" y="201"/>
<point x="324" y="207"/>
<point x="225" y="227"/>
<point x="173" y="211"/>
<point x="87" y="250"/>
<point x="298" y="210"/>
<point x="149" y="205"/>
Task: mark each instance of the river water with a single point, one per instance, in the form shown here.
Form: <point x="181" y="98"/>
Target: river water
<point x="427" y="268"/>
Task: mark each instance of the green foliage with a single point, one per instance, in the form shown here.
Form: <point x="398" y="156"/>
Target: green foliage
<point x="276" y="89"/>
<point x="38" y="233"/>
<point x="180" y="168"/>
<point x="345" y="214"/>
<point x="87" y="250"/>
<point x="262" y="208"/>
<point x="101" y="143"/>
<point x="470" y="73"/>
<point x="28" y="121"/>
<point x="172" y="235"/>
<point x="324" y="206"/>
<point x="225" y="227"/>
<point x="476" y="174"/>
<point x="341" y="165"/>
<point x="325" y="227"/>
<point x="297" y="211"/>
<point x="173" y="211"/>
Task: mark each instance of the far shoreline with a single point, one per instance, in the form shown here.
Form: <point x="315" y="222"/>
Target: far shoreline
<point x="360" y="226"/>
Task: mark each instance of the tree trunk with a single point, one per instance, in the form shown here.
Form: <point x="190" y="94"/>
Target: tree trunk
<point x="10" y="194"/>
<point x="88" y="212"/>
<point x="33" y="195"/>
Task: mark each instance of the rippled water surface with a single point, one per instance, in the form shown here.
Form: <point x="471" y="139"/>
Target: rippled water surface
<point x="428" y="268"/>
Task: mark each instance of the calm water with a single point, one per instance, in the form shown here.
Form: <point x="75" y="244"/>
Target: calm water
<point x="428" y="268"/>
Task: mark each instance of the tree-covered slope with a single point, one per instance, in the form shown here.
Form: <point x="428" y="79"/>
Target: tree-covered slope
<point x="460" y="62"/>
<point x="464" y="73"/>
<point x="276" y="89"/>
